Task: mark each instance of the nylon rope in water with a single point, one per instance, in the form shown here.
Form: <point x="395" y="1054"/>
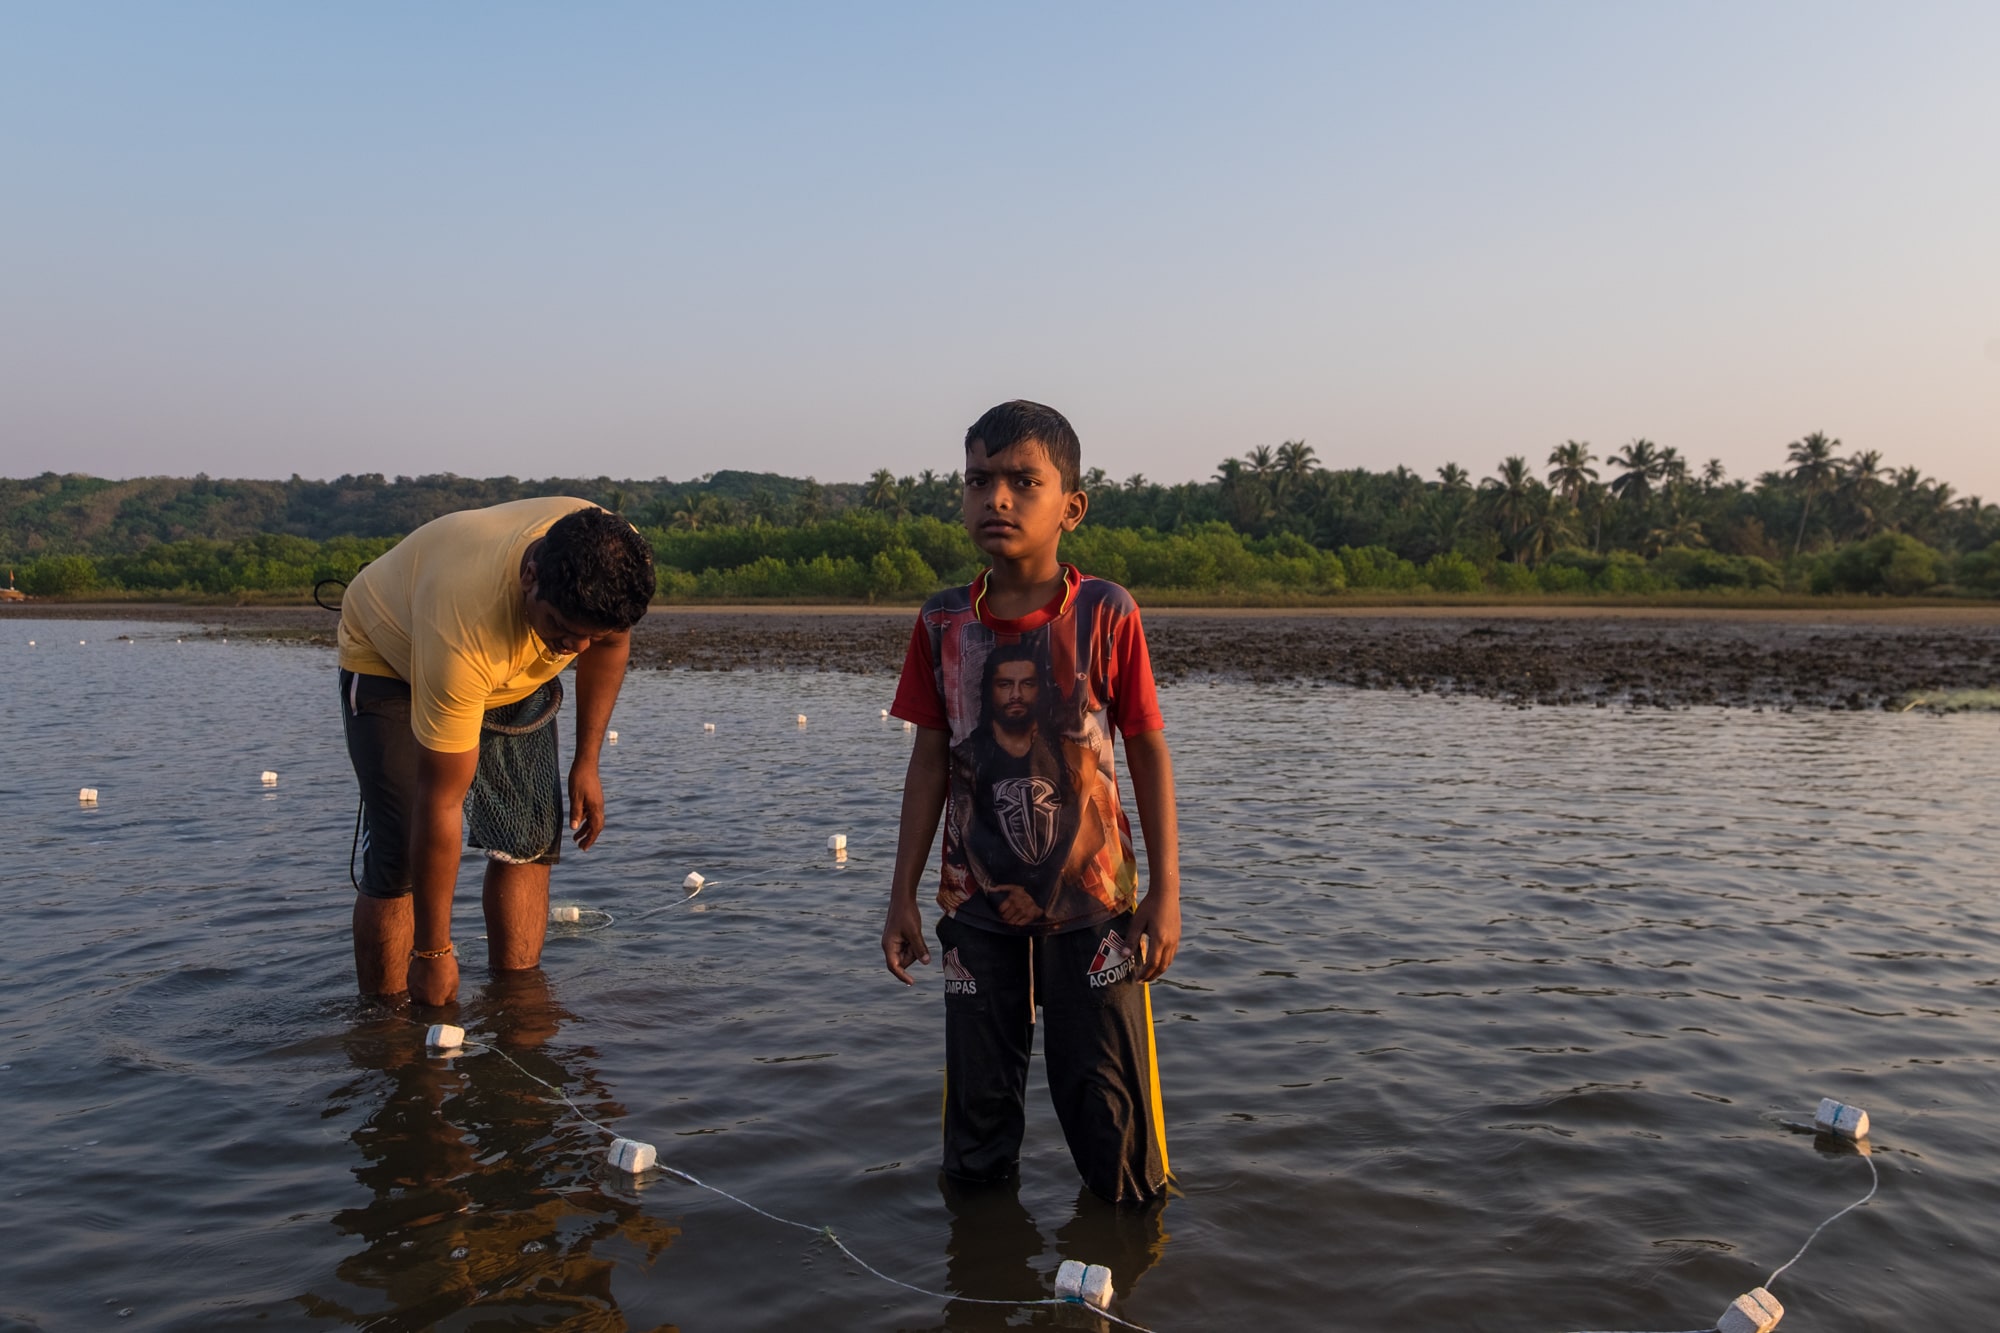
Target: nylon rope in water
<point x="824" y="1231"/>
<point x="1874" y="1184"/>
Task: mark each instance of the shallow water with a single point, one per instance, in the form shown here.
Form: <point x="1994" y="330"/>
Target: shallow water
<point x="1487" y="1018"/>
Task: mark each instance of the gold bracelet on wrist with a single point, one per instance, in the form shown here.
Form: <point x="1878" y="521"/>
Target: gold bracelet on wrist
<point x="432" y="953"/>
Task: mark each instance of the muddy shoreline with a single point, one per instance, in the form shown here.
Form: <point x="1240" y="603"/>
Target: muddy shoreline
<point x="1637" y="657"/>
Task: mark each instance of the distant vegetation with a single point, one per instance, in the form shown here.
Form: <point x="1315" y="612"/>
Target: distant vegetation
<point x="1274" y="524"/>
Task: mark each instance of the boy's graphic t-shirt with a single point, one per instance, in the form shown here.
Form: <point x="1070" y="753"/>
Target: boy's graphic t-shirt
<point x="1035" y="837"/>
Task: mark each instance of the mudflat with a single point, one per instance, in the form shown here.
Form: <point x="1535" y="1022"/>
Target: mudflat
<point x="1842" y="657"/>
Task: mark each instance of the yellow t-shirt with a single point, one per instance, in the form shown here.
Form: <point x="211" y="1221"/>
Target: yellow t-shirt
<point x="442" y="610"/>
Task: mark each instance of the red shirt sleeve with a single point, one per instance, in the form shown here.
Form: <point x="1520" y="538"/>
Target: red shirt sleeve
<point x="1134" y="705"/>
<point x="917" y="697"/>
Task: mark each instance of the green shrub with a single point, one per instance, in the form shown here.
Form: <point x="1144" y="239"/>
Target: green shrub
<point x="59" y="576"/>
<point x="1562" y="578"/>
<point x="1623" y="571"/>
<point x="1204" y="557"/>
<point x="1510" y="577"/>
<point x="1979" y="570"/>
<point x="1448" y="571"/>
<point x="1893" y="563"/>
<point x="1377" y="567"/>
<point x="1701" y="571"/>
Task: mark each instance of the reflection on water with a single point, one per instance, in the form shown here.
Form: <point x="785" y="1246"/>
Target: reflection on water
<point x="469" y="1207"/>
<point x="1487" y="1019"/>
<point x="996" y="1250"/>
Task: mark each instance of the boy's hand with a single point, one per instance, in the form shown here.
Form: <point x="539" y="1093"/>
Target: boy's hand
<point x="1015" y="905"/>
<point x="903" y="940"/>
<point x="1156" y="929"/>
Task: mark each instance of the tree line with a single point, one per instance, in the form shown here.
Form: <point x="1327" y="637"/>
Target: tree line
<point x="1274" y="521"/>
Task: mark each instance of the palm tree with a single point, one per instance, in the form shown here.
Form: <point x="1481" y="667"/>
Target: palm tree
<point x="1262" y="460"/>
<point x="1444" y="514"/>
<point x="1551" y="525"/>
<point x="1452" y="477"/>
<point x="1812" y="471"/>
<point x="812" y="501"/>
<point x="881" y="492"/>
<point x="1859" y="479"/>
<point x="1136" y="482"/>
<point x="1680" y="528"/>
<point x="1245" y="499"/>
<point x="1641" y="461"/>
<point x="1712" y="474"/>
<point x="1295" y="463"/>
<point x="1939" y="504"/>
<point x="1594" y="504"/>
<point x="1570" y="468"/>
<point x="1510" y="495"/>
<point x="1673" y="468"/>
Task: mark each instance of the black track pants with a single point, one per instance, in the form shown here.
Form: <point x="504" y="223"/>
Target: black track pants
<point x="1097" y="1039"/>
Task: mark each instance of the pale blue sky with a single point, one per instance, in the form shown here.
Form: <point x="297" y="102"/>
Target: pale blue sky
<point x="649" y="240"/>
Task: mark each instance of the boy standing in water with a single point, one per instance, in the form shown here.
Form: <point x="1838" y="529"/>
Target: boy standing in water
<point x="1014" y="683"/>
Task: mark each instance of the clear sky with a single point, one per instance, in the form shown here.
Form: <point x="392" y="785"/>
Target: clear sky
<point x="655" y="240"/>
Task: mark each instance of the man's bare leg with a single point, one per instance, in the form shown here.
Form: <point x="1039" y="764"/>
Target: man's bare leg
<point x="384" y="933"/>
<point x="516" y="899"/>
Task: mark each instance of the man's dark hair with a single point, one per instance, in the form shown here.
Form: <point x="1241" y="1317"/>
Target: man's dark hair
<point x="1012" y="423"/>
<point x="595" y="570"/>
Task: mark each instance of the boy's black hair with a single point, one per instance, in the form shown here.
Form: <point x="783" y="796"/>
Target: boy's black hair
<point x="595" y="570"/>
<point x="1012" y="423"/>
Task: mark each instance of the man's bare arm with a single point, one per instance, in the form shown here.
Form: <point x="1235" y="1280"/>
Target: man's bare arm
<point x="923" y="802"/>
<point x="436" y="836"/>
<point x="600" y="674"/>
<point x="1158" y="920"/>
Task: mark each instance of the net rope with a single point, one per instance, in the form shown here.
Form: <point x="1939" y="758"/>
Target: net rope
<point x="1874" y="1184"/>
<point x="833" y="1238"/>
<point x="825" y="1232"/>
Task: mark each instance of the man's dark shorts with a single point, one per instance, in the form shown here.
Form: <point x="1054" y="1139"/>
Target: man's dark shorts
<point x="514" y="810"/>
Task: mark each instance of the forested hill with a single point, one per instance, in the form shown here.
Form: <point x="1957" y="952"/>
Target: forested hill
<point x="1275" y="523"/>
<point x="75" y="514"/>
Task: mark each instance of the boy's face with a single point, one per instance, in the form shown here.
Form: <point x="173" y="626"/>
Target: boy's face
<point x="1015" y="504"/>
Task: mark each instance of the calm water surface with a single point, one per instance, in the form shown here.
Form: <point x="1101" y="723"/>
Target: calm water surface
<point x="1487" y="1019"/>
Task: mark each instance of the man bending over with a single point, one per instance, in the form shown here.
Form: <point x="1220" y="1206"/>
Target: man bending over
<point x="450" y="646"/>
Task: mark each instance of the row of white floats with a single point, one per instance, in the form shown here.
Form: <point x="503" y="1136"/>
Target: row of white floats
<point x="837" y="843"/>
<point x="88" y="795"/>
<point x="1087" y="1284"/>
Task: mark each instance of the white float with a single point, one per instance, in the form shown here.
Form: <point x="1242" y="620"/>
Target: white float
<point x="1840" y="1119"/>
<point x="1755" y="1311"/>
<point x="631" y="1156"/>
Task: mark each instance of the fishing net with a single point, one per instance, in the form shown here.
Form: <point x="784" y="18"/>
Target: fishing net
<point x="514" y="810"/>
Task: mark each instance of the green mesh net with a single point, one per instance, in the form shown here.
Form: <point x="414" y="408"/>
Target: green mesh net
<point x="514" y="810"/>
